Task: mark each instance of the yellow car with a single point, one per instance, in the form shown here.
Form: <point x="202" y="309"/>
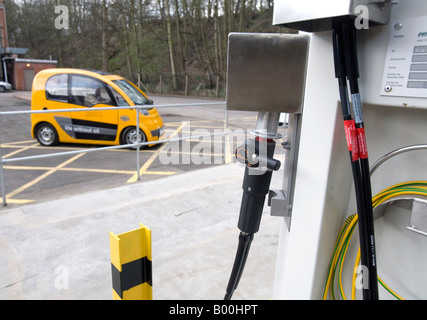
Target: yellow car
<point x="76" y="89"/>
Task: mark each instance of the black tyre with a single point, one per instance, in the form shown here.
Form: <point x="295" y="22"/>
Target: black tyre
<point x="129" y="136"/>
<point x="46" y="135"/>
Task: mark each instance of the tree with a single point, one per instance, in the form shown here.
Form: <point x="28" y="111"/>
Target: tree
<point x="171" y="46"/>
<point x="104" y="36"/>
<point x="138" y="37"/>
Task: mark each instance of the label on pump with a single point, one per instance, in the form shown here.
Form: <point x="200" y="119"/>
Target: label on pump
<point x="357" y="108"/>
<point x="350" y="134"/>
<point x="362" y="145"/>
<point x="405" y="73"/>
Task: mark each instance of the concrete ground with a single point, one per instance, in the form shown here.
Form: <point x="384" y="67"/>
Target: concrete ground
<point x="60" y="249"/>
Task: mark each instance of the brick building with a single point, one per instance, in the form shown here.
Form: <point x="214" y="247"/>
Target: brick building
<point x="3" y="26"/>
<point x="15" y="70"/>
<point x="25" y="69"/>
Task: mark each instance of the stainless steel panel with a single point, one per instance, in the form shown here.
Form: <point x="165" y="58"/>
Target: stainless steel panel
<point x="266" y="72"/>
<point x="316" y="15"/>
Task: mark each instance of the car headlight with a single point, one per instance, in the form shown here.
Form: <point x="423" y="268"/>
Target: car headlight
<point x="144" y="112"/>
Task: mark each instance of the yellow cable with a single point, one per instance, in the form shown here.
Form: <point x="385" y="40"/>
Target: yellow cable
<point x="389" y="289"/>
<point x="348" y="226"/>
<point x="334" y="259"/>
<point x="350" y="233"/>
<point x="353" y="285"/>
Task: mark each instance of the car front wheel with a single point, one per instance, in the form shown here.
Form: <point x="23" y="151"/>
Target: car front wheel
<point x="47" y="135"/>
<point x="129" y="136"/>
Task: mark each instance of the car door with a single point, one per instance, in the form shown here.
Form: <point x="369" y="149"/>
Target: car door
<point x="91" y="125"/>
<point x="56" y="98"/>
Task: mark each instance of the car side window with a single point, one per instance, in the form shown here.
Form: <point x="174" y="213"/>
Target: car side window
<point x="121" y="102"/>
<point x="57" y="88"/>
<point x="88" y="92"/>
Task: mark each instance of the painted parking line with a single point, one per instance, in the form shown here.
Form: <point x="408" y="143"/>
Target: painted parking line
<point x="61" y="167"/>
<point x="10" y="154"/>
<point x="40" y="178"/>
<point x="38" y="168"/>
<point x="17" y="143"/>
<point x="181" y="128"/>
<point x="150" y="161"/>
<point x="109" y="171"/>
<point x="19" y="201"/>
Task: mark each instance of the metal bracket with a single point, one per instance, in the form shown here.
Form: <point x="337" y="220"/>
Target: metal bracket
<point x="281" y="201"/>
<point x="278" y="204"/>
<point x="418" y="222"/>
<point x="418" y="207"/>
<point x="280" y="207"/>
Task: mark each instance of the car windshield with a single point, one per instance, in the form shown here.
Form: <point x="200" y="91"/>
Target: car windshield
<point x="134" y="94"/>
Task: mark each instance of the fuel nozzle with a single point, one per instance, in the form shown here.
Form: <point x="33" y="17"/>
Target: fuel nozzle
<point x="257" y="155"/>
<point x="249" y="154"/>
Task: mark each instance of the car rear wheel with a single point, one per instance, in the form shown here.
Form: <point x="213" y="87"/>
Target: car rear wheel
<point x="47" y="135"/>
<point x="129" y="136"/>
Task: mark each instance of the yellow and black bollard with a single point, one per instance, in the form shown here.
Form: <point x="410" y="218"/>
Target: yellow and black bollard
<point x="131" y="264"/>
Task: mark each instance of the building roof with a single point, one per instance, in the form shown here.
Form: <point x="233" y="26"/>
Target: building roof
<point x="35" y="61"/>
<point x="9" y="50"/>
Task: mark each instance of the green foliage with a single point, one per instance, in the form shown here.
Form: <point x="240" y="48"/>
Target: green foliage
<point x="131" y="37"/>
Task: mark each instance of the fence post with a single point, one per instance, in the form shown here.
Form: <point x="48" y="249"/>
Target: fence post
<point x="3" y="188"/>
<point x="217" y="86"/>
<point x="138" y="84"/>
<point x="161" y="84"/>
<point x="186" y="84"/>
<point x="138" y="148"/>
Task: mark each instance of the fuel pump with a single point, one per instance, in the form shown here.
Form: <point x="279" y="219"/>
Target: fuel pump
<point x="389" y="43"/>
<point x="320" y="188"/>
<point x="341" y="17"/>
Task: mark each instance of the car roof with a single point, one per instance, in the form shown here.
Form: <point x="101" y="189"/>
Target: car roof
<point x="88" y="72"/>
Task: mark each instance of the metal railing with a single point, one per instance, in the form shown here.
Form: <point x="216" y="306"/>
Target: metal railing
<point x="137" y="145"/>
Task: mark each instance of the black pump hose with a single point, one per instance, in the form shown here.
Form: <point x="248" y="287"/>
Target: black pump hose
<point x="346" y="67"/>
<point x="245" y="241"/>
